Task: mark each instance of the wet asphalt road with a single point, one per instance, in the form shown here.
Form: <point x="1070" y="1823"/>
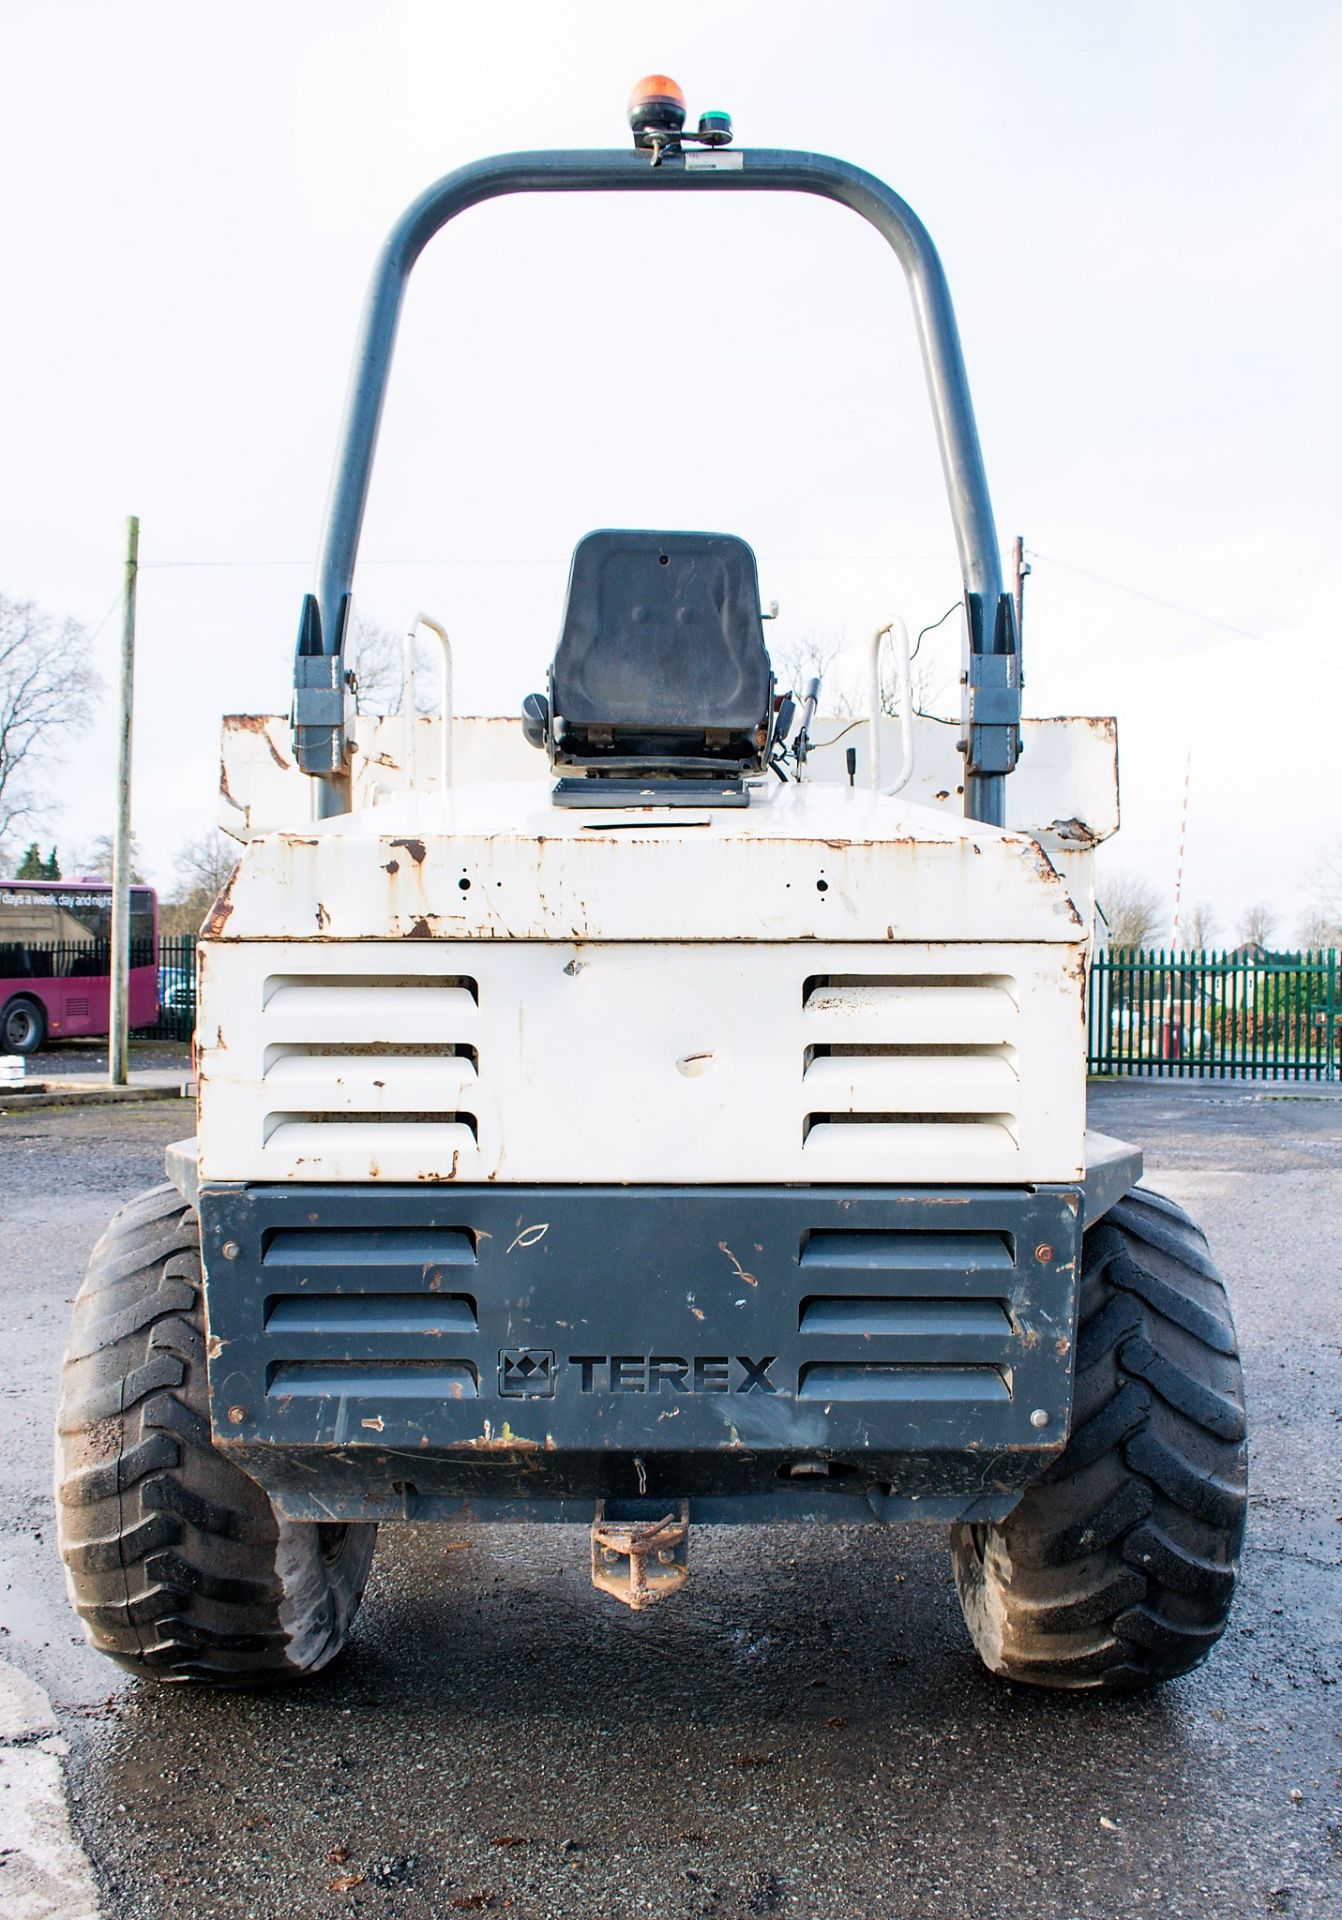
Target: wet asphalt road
<point x="805" y="1732"/>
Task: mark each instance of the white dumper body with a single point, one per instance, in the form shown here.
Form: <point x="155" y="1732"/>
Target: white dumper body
<point x="829" y="985"/>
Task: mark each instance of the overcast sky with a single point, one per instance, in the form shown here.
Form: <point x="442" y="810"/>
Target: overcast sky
<point x="1139" y="207"/>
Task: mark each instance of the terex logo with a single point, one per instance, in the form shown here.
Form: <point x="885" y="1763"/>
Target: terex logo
<point x="671" y="1373"/>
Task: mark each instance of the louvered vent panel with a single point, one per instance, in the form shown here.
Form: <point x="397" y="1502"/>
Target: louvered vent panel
<point x="906" y="1385"/>
<point x="371" y="1311"/>
<point x="513" y="1060"/>
<point x="376" y="1379"/>
<point x="910" y="1064"/>
<point x="861" y="1316"/>
<point x="907" y="1318"/>
<point x="335" y="1007"/>
<point x="911" y="1262"/>
<point x="403" y="1100"/>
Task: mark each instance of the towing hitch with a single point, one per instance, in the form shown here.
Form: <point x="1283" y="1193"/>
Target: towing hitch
<point x="639" y="1561"/>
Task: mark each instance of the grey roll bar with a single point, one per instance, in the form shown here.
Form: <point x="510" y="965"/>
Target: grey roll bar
<point x="992" y="680"/>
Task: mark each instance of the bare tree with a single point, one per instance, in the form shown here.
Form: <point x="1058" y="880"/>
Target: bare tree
<point x="1327" y="887"/>
<point x="1199" y="924"/>
<point x="47" y="691"/>
<point x="373" y="656"/>
<point x="822" y="654"/>
<point x="204" y="866"/>
<point x="1256" y="924"/>
<point x="931" y="690"/>
<point x="1318" y="930"/>
<point x="812" y="656"/>
<point x="927" y="682"/>
<point x="376" y="655"/>
<point x="95" y="859"/>
<point x="1131" y="909"/>
<point x="930" y="676"/>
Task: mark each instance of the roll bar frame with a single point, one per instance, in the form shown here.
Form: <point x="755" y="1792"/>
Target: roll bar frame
<point x="991" y="680"/>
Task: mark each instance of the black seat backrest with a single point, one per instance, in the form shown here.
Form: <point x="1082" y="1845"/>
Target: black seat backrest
<point x="662" y="635"/>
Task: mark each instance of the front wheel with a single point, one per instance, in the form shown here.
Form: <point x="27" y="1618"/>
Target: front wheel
<point x="1117" y="1569"/>
<point x="23" y="1027"/>
<point x="176" y="1562"/>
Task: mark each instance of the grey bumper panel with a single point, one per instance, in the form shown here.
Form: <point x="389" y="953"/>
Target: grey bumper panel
<point x="181" y="1164"/>
<point x="377" y="1349"/>
<point x="1113" y="1168"/>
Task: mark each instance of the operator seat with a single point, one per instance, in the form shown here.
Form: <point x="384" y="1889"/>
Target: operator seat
<point x="661" y="669"/>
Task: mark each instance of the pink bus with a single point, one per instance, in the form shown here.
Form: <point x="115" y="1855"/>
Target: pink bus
<point x="55" y="955"/>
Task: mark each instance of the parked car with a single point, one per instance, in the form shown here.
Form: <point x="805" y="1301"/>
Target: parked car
<point x="174" y="989"/>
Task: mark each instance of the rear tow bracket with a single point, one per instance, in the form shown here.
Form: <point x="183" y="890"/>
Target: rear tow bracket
<point x="639" y="1561"/>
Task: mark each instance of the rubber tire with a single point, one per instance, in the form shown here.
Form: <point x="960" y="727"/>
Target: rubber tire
<point x="1117" y="1569"/>
<point x="37" y="1032"/>
<point x="175" y="1560"/>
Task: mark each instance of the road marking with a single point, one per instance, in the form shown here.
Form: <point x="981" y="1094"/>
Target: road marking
<point x="44" y="1871"/>
<point x="1190" y="1186"/>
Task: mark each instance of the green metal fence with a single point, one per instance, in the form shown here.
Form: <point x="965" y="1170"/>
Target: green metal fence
<point x="1225" y="1016"/>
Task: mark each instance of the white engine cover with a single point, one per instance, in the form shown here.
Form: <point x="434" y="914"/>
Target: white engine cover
<point x="696" y="1063"/>
<point x="825" y="987"/>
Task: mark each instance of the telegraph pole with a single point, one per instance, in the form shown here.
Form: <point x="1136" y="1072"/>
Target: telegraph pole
<point x="118" y="1031"/>
<point x="1183" y="842"/>
<point x="1020" y="566"/>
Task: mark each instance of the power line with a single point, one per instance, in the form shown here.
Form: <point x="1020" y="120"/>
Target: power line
<point x="1191" y="613"/>
<point x="1050" y="560"/>
<point x="111" y="609"/>
<point x="160" y="566"/>
<point x="1139" y="593"/>
<point x="838" y="557"/>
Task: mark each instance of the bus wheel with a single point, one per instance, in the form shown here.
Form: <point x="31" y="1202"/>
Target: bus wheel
<point x="23" y="1026"/>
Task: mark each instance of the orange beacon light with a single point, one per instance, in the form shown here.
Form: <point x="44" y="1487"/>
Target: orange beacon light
<point x="656" y="105"/>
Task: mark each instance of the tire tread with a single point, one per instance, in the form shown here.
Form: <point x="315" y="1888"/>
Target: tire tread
<point x="173" y="1555"/>
<point x="1118" y="1567"/>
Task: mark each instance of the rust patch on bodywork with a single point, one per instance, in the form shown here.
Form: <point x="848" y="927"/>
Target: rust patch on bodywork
<point x="217" y="917"/>
<point x="432" y="1174"/>
<point x="1074" y="832"/>
<point x="257" y="723"/>
<point x="415" y="848"/>
<point x="1074" y="973"/>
